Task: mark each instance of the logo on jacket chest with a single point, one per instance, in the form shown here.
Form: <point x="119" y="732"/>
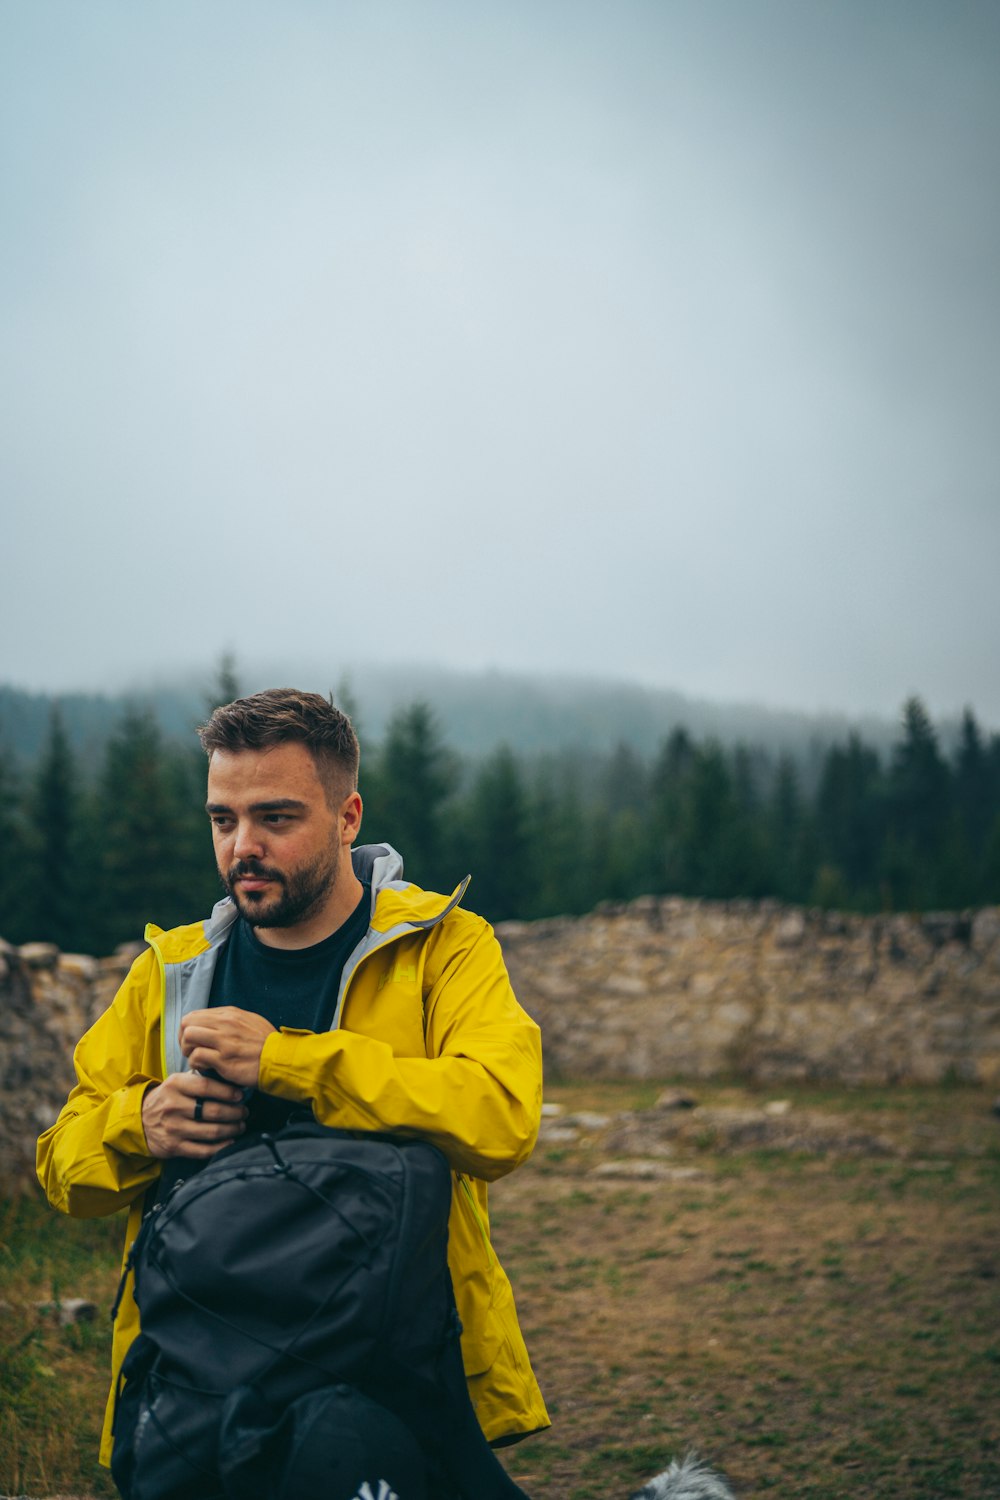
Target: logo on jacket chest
<point x="400" y="973"/>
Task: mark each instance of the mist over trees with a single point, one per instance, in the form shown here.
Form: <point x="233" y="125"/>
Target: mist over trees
<point x="96" y="845"/>
<point x="475" y="712"/>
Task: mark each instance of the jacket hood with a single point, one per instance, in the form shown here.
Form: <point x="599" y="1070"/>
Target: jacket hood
<point x="380" y="864"/>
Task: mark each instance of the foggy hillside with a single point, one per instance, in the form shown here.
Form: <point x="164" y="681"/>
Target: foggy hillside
<point x="476" y="712"/>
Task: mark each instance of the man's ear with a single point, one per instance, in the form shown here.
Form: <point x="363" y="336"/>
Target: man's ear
<point x="351" y="810"/>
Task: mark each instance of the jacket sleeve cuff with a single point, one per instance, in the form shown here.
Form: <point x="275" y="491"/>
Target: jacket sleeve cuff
<point x="123" y="1131"/>
<point x="287" y="1064"/>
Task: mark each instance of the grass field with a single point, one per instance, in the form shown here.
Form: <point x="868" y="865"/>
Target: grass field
<point x="819" y="1323"/>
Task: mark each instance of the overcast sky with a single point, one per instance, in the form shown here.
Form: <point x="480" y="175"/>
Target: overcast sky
<point x="655" y="339"/>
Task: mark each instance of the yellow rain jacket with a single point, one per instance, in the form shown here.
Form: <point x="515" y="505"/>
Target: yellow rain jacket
<point x="427" y="1039"/>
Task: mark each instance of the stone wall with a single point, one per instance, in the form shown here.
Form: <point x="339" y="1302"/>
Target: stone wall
<point x="47" y="1001"/>
<point x="666" y="987"/>
<point x="656" y="989"/>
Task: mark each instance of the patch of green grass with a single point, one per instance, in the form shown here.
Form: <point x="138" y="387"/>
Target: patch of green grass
<point x="54" y="1379"/>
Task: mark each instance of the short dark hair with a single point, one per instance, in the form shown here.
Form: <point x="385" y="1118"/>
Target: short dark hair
<point x="283" y="715"/>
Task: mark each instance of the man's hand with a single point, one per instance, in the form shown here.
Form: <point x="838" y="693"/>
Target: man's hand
<point x="226" y="1041"/>
<point x="187" y="1115"/>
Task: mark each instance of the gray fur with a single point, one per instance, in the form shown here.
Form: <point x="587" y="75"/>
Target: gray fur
<point x="688" y="1480"/>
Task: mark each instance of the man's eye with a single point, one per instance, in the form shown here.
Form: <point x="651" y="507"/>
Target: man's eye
<point x="277" y="818"/>
<point x="221" y="823"/>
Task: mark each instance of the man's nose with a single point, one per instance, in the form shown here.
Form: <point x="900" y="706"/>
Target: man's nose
<point x="247" y="844"/>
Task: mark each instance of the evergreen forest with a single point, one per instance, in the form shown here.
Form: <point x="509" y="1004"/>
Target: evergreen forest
<point x="91" y="856"/>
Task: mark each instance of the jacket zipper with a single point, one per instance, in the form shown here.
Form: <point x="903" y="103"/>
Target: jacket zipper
<point x="163" y="1001"/>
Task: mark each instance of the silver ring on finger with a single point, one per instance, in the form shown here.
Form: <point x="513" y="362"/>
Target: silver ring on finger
<point x="199" y="1109"/>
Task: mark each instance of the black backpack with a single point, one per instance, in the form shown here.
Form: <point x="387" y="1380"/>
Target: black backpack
<point x="299" y="1332"/>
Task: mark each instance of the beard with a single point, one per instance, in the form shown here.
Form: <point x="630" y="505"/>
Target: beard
<point x="301" y="892"/>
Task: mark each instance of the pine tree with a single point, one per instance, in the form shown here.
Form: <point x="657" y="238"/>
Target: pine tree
<point x="668" y="784"/>
<point x="345" y="699"/>
<point x="55" y="906"/>
<point x="964" y="846"/>
<point x="626" y="780"/>
<point x="498" y="838"/>
<point x="787" y="835"/>
<point x="707" y="817"/>
<point x="988" y="891"/>
<point x="748" y="871"/>
<point x="561" y="840"/>
<point x="15" y="883"/>
<point x="225" y="688"/>
<point x="416" y="776"/>
<point x="850" y="825"/>
<point x="193" y="885"/>
<point x="143" y="825"/>
<point x="972" y="785"/>
<point x="625" y="860"/>
<point x="919" y="809"/>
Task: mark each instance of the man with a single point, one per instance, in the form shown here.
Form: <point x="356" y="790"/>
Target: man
<point x="324" y="980"/>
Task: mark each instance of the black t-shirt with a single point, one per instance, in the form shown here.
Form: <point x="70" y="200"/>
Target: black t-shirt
<point x="294" y="987"/>
<point x="288" y="987"/>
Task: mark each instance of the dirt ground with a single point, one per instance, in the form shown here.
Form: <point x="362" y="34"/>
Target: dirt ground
<point x="801" y="1284"/>
<point x="803" y="1287"/>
